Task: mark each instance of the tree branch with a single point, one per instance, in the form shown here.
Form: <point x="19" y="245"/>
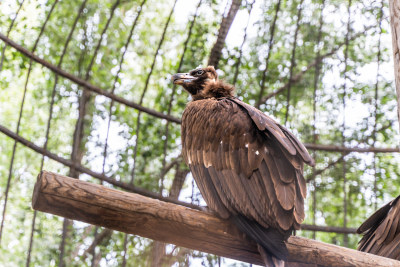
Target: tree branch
<point x="299" y="76"/>
<point x="86" y="84"/>
<point x="166" y="222"/>
<point x="216" y="51"/>
<point x="104" y="235"/>
<point x="84" y="235"/>
<point x="334" y="162"/>
<point x="100" y="176"/>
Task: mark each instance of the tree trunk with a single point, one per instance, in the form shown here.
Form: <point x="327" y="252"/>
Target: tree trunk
<point x="216" y="51"/>
<point x="394" y="7"/>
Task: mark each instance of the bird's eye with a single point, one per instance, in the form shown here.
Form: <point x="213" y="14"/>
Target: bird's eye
<point x="199" y="72"/>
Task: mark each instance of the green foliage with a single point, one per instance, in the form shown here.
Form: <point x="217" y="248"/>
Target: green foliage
<point x="362" y="126"/>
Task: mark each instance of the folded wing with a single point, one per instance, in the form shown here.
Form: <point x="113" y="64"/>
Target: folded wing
<point x="382" y="231"/>
<point x="245" y="163"/>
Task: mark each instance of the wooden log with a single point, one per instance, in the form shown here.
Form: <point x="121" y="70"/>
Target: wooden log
<point x="135" y="214"/>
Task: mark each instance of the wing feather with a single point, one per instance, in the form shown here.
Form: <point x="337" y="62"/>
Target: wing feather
<point x="243" y="159"/>
<point x="241" y="188"/>
<point x="295" y="161"/>
<point x="394" y="225"/>
<point x="384" y="228"/>
<point x="393" y="250"/>
<point x="283" y="218"/>
<point x="263" y="122"/>
<point x="232" y="191"/>
<point x="208" y="191"/>
<point x="254" y="156"/>
<point x="302" y="184"/>
<point x="285" y="192"/>
<point x="286" y="174"/>
<point x="221" y="191"/>
<point x="234" y="162"/>
<point x="381" y="231"/>
<point x="375" y="218"/>
<point x="300" y="148"/>
<point x="299" y="203"/>
<point x="256" y="187"/>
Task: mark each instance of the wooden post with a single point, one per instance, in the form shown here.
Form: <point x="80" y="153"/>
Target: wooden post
<point x="394" y="7"/>
<point x="171" y="223"/>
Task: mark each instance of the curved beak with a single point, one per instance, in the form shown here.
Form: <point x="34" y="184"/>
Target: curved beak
<point x="182" y="78"/>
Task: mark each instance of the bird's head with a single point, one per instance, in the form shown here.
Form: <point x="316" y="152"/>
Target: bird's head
<point x="195" y="81"/>
<point x="203" y="83"/>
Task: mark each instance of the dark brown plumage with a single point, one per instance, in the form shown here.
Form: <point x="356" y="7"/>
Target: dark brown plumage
<point x="382" y="231"/>
<point x="248" y="167"/>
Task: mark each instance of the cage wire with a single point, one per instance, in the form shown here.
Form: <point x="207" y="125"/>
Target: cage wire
<point x="271" y="90"/>
<point x="314" y="102"/>
<point x="270" y="45"/>
<point x="293" y="59"/>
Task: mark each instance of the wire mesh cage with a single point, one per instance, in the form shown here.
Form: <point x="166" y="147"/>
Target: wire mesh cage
<point x="85" y="92"/>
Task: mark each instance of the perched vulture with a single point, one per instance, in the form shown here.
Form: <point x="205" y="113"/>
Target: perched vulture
<point x="382" y="231"/>
<point x="249" y="169"/>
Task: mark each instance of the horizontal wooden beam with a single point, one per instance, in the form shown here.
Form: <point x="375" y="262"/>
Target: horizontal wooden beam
<point x="333" y="148"/>
<point x="135" y="214"/>
<point x="328" y="229"/>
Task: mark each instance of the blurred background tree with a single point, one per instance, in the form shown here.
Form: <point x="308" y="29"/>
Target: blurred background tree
<point x="322" y="67"/>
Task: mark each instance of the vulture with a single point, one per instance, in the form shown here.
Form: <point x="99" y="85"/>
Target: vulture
<point x="382" y="231"/>
<point x="248" y="168"/>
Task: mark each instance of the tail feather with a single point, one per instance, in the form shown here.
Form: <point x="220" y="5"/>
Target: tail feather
<point x="270" y="261"/>
<point x="271" y="240"/>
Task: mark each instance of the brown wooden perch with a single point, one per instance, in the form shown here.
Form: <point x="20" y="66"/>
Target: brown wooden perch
<point x="171" y="223"/>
